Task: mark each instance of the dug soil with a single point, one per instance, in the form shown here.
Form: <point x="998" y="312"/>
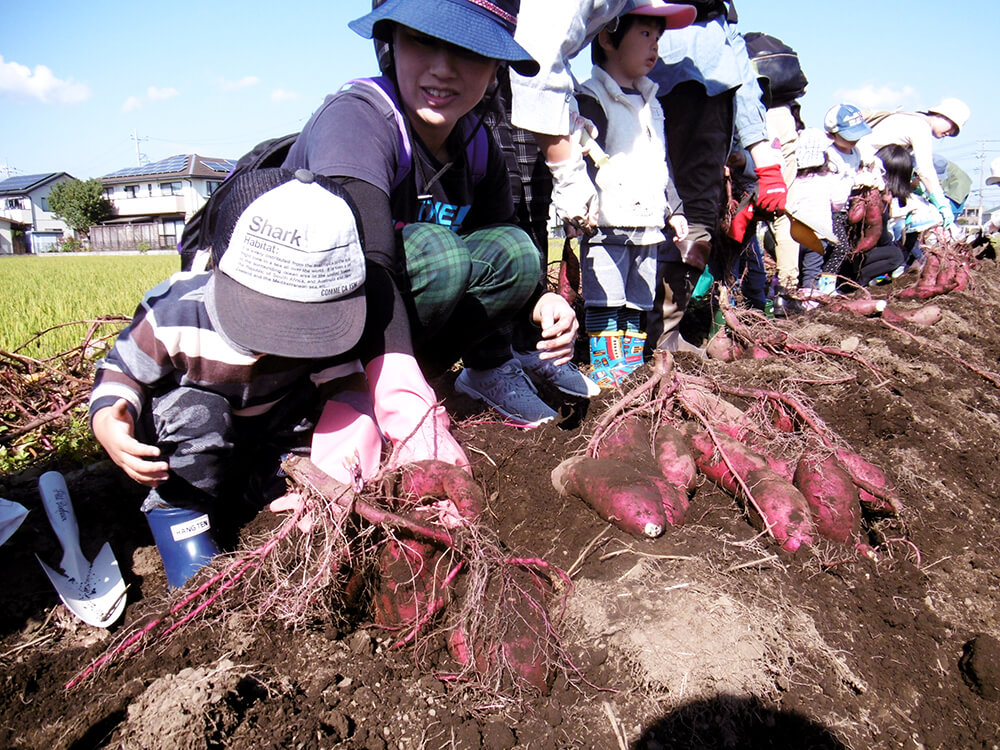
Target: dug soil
<point x="710" y="636"/>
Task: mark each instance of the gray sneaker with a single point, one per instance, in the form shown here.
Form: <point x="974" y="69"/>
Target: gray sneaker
<point x="565" y="377"/>
<point x="508" y="390"/>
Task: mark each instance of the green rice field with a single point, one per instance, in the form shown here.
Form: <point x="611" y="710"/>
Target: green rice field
<point x="38" y="292"/>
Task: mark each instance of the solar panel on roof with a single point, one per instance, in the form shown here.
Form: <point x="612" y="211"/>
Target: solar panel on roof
<point x="170" y="164"/>
<point x="20" y="182"/>
<point x="220" y="165"/>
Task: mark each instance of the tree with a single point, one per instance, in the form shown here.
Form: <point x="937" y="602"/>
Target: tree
<point x="81" y="204"/>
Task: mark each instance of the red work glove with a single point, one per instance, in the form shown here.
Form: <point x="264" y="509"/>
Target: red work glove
<point x="772" y="193"/>
<point x="408" y="414"/>
<point x="738" y="226"/>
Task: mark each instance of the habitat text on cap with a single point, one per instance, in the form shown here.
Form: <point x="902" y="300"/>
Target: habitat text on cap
<point x="485" y="27"/>
<point x="994" y="178"/>
<point x="677" y="15"/>
<point x="289" y="265"/>
<point x="954" y="109"/>
<point x="846" y="121"/>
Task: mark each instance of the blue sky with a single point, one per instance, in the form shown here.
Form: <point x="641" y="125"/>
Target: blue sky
<point x="79" y="80"/>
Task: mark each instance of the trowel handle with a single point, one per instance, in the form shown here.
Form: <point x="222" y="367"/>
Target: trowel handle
<point x="59" y="509"/>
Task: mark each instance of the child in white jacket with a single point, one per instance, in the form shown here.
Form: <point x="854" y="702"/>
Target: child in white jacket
<point x="635" y="189"/>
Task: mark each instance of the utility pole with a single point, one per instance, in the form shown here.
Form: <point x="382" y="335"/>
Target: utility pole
<point x="982" y="179"/>
<point x="138" y="156"/>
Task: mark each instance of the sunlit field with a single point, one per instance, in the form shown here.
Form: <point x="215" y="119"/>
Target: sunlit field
<point x="39" y="292"/>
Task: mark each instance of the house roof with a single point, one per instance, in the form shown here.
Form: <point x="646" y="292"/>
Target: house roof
<point x="24" y="183"/>
<point x="181" y="165"/>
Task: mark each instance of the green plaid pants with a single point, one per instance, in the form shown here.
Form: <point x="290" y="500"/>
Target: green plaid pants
<point x="465" y="289"/>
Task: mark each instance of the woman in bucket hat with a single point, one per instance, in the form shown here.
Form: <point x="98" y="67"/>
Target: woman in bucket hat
<point x="444" y="229"/>
<point x="917" y="131"/>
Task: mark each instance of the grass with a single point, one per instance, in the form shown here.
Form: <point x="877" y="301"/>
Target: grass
<point x="38" y="292"/>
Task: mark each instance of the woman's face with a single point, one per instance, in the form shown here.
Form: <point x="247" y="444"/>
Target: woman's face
<point x="941" y="126"/>
<point x="438" y="82"/>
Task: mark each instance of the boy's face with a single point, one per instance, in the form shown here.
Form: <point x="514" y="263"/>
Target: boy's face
<point x="636" y="54"/>
<point x="842" y="144"/>
<point x="438" y="82"/>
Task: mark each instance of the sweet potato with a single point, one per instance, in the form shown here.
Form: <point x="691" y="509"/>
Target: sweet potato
<point x="785" y="510"/>
<point x="410" y="581"/>
<point x="675" y="500"/>
<point x="627" y="440"/>
<point x="865" y="306"/>
<point x="832" y="497"/>
<point x="443" y="481"/>
<point x="865" y="474"/>
<point x="927" y="315"/>
<point x="519" y="641"/>
<point x="619" y="493"/>
<point x="723" y="348"/>
<point x="776" y="499"/>
<point x="712" y="465"/>
<point x="710" y="405"/>
<point x="672" y="450"/>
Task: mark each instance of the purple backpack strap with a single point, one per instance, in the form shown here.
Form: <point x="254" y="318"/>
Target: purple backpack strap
<point x="477" y="149"/>
<point x="385" y="89"/>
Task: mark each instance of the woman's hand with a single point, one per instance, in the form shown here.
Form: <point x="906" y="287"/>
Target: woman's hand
<point x="115" y="431"/>
<point x="559" y="327"/>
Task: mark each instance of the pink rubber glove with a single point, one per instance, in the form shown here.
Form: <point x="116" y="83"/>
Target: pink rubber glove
<point x="408" y="413"/>
<point x="346" y="444"/>
<point x="772" y="193"/>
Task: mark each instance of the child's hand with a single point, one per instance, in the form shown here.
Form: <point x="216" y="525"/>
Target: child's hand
<point x="559" y="327"/>
<point x="679" y="223"/>
<point x="114" y="430"/>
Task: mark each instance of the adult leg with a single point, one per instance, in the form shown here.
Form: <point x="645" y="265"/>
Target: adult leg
<point x="699" y="132"/>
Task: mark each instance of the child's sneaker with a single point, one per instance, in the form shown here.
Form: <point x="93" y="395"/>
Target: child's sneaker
<point x="508" y="390"/>
<point x="567" y="378"/>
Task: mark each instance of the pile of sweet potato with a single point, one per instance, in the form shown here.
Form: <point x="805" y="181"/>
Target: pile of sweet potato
<point x="641" y="475"/>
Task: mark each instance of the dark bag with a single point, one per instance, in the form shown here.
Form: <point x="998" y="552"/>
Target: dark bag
<point x="774" y="59"/>
<point x="198" y="230"/>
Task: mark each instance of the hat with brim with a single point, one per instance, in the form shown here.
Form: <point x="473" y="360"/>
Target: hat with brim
<point x="289" y="265"/>
<point x="954" y="110"/>
<point x="677" y="15"/>
<point x="994" y="178"/>
<point x="481" y="26"/>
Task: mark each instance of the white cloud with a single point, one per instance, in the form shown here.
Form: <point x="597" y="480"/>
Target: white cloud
<point x="158" y="95"/>
<point x="132" y="103"/>
<point x="153" y="94"/>
<point x="878" y="97"/>
<point x="243" y="83"/>
<point x="281" y="95"/>
<point x="40" y="84"/>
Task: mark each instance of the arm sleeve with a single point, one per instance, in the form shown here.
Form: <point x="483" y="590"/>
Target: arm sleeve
<point x="554" y="31"/>
<point x="674" y="203"/>
<point x="387" y="326"/>
<point x="349" y="137"/>
<point x="750" y="115"/>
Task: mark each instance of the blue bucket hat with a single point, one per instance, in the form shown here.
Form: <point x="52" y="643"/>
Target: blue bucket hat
<point x="485" y="27"/>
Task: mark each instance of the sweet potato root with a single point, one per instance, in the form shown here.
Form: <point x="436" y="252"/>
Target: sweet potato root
<point x="620" y="494"/>
<point x="723" y="348"/>
<point x="784" y="509"/>
<point x="833" y="499"/>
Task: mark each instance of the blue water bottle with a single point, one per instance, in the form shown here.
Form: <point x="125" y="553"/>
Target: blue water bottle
<point x="184" y="540"/>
